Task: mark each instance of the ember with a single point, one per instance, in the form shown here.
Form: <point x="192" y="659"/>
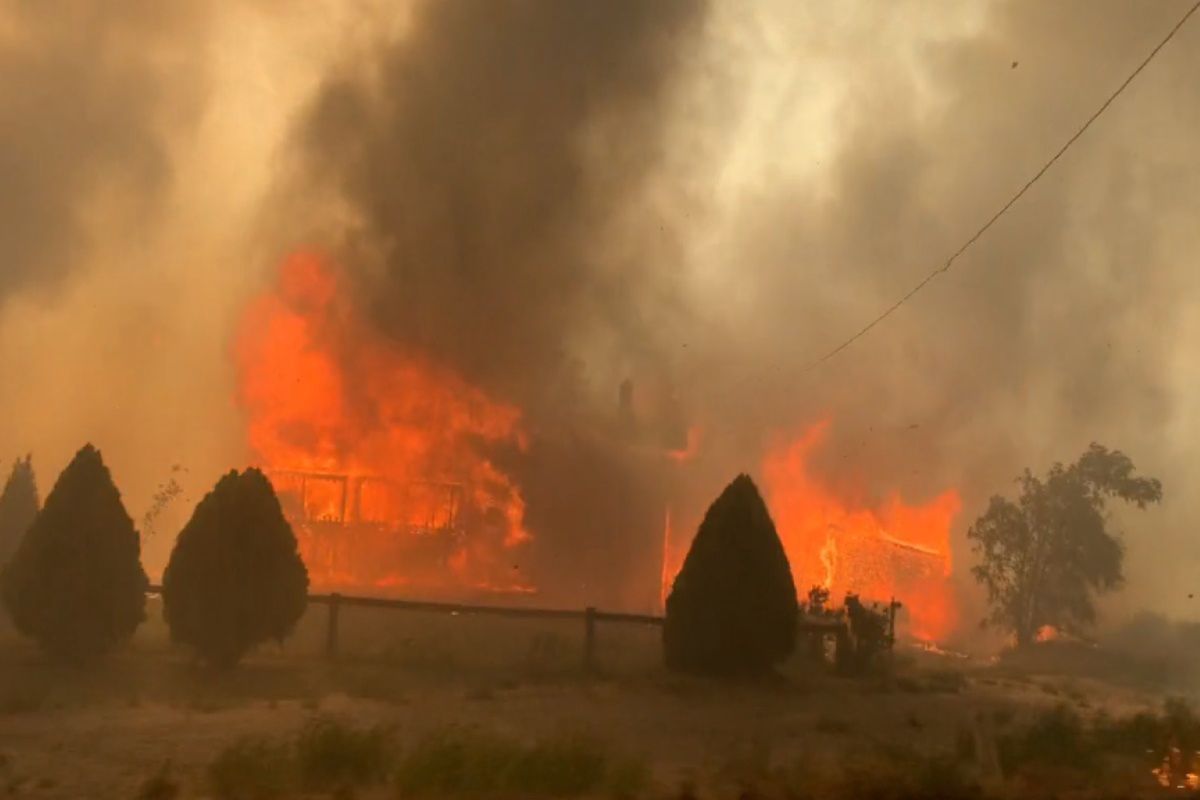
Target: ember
<point x="379" y="456"/>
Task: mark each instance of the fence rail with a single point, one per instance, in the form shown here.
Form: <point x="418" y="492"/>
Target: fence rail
<point x="590" y="616"/>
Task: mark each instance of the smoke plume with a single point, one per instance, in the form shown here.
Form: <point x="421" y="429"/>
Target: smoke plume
<point x="1065" y="324"/>
<point x="89" y="93"/>
<point x="486" y="155"/>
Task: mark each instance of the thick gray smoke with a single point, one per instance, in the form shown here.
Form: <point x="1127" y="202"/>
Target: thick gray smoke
<point x="486" y="155"/>
<point x="493" y="156"/>
<point x="89" y="93"/>
<point x="1068" y="322"/>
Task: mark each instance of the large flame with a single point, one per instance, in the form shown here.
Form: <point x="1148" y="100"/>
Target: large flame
<point x="380" y="456"/>
<point x="892" y="550"/>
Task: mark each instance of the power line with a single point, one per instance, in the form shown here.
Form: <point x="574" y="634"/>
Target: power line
<point x="945" y="267"/>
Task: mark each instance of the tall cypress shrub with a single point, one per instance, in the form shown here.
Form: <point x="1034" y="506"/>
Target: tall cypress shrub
<point x="732" y="609"/>
<point x="18" y="507"/>
<point x="75" y="583"/>
<point x="235" y="578"/>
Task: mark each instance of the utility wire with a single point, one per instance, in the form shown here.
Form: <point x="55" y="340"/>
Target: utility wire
<point x="945" y="267"/>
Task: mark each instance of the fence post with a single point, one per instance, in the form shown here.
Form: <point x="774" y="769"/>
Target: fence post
<point x="892" y="606"/>
<point x="331" y="634"/>
<point x="589" y="637"/>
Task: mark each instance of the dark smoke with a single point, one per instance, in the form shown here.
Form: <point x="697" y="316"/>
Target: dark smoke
<point x="492" y="157"/>
<point x="1061" y="326"/>
<point x="485" y="154"/>
<point x="88" y="93"/>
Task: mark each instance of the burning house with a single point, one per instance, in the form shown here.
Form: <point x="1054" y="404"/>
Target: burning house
<point x="399" y="476"/>
<point x="338" y="515"/>
<point x="385" y="464"/>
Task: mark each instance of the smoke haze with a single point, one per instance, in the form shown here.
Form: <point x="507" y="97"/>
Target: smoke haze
<point x="554" y="197"/>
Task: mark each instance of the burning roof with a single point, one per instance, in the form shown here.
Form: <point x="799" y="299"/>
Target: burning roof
<point x="382" y="460"/>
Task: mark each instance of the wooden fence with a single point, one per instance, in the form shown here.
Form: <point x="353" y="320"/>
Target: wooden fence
<point x="589" y="616"/>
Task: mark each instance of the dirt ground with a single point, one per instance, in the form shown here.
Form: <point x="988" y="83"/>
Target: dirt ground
<point x="98" y="733"/>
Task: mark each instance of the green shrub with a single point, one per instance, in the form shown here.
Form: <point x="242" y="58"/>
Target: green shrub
<point x="732" y="609"/>
<point x="252" y="769"/>
<point x="1055" y="738"/>
<point x="468" y="762"/>
<point x="235" y="578"/>
<point x="75" y="584"/>
<point x="898" y="776"/>
<point x="1145" y="732"/>
<point x="559" y="768"/>
<point x="895" y="775"/>
<point x="1057" y="751"/>
<point x="869" y="640"/>
<point x="456" y="761"/>
<point x="330" y="755"/>
<point x="326" y="755"/>
<point x="18" y="507"/>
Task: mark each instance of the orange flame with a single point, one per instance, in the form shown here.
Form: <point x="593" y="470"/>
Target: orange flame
<point x="379" y="456"/>
<point x="894" y="550"/>
<point x="1048" y="633"/>
<point x="666" y="573"/>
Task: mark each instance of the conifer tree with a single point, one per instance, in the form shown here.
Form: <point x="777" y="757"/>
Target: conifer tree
<point x="75" y="583"/>
<point x="18" y="507"/>
<point x="732" y="609"/>
<point x="235" y="578"/>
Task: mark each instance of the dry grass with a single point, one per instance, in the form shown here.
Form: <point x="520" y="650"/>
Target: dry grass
<point x="507" y="690"/>
<point x="252" y="768"/>
<point x="465" y="762"/>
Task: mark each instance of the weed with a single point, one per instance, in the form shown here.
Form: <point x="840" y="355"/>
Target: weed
<point x="330" y="754"/>
<point x="252" y="769"/>
<point x="896" y="776"/>
<point x="461" y="761"/>
<point x="1055" y="738"/>
<point x="560" y="768"/>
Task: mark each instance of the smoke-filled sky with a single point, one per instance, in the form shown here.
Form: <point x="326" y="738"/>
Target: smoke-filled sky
<point x="553" y="197"/>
